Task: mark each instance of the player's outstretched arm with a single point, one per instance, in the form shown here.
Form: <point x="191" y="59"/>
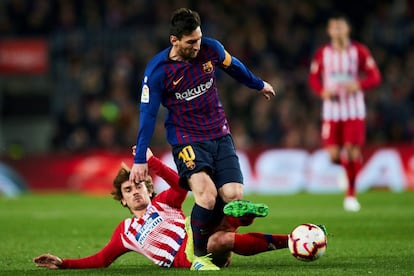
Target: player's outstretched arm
<point x="103" y="258"/>
<point x="48" y="260"/>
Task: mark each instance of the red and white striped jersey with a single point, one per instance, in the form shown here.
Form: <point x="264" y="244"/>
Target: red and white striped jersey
<point x="331" y="69"/>
<point x="157" y="235"/>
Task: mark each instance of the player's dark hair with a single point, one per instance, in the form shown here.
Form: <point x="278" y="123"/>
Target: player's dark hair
<point x="339" y="16"/>
<point x="183" y="22"/>
<point x="121" y="177"/>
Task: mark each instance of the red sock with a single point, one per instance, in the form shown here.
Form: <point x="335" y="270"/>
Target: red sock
<point x="253" y="243"/>
<point x="349" y="168"/>
<point x="356" y="168"/>
<point x="237" y="222"/>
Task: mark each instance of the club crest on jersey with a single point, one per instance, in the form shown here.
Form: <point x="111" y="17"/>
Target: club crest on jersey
<point x="208" y="67"/>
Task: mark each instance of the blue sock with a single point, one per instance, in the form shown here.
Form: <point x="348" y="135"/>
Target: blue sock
<point x="217" y="213"/>
<point x="200" y="222"/>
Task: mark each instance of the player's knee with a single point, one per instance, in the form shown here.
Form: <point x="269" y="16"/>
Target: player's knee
<point x="334" y="153"/>
<point x="206" y="198"/>
<point x="220" y="242"/>
<point x="232" y="197"/>
<point x="335" y="157"/>
<point x="222" y="260"/>
<point x="355" y="154"/>
<point x="213" y="241"/>
<point x="209" y="202"/>
<point x="230" y="192"/>
<point x="336" y="160"/>
<point x="204" y="191"/>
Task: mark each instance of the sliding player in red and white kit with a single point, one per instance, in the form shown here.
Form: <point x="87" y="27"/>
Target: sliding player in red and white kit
<point x="340" y="73"/>
<point x="158" y="228"/>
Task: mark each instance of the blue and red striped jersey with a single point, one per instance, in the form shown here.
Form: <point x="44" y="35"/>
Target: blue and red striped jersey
<point x="188" y="90"/>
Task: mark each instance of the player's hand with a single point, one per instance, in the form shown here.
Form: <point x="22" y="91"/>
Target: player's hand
<point x="48" y="260"/>
<point x="352" y="87"/>
<point x="134" y="150"/>
<point x="328" y="94"/>
<point x="139" y="172"/>
<point x="268" y="92"/>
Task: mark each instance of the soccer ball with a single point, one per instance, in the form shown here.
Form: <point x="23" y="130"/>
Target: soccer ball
<point x="307" y="242"/>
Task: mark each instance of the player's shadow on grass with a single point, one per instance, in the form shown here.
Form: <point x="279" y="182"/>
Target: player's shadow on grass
<point x="110" y="271"/>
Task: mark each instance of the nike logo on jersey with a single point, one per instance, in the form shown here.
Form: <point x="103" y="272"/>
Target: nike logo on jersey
<point x="178" y="81"/>
<point x="195" y="92"/>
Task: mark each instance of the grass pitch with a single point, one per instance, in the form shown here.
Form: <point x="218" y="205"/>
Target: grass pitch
<point x="378" y="240"/>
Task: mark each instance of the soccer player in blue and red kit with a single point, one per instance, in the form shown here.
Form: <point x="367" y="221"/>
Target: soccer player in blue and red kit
<point x="182" y="78"/>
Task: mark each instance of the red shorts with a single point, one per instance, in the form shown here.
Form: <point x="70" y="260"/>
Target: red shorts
<point x="180" y="260"/>
<point x="343" y="132"/>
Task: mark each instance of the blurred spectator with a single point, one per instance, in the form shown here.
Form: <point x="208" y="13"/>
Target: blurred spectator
<point x="99" y="50"/>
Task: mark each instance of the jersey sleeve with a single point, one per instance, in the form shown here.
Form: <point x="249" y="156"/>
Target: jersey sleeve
<point x="371" y="76"/>
<point x="104" y="257"/>
<point x="175" y="195"/>
<point x="235" y="68"/>
<point x="150" y="103"/>
<point x="165" y="172"/>
<point x="315" y="75"/>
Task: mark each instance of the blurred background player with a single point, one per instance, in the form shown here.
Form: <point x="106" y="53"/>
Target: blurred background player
<point x="183" y="78"/>
<point x="340" y="73"/>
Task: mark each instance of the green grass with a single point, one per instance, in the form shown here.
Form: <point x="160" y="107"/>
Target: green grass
<point x="379" y="240"/>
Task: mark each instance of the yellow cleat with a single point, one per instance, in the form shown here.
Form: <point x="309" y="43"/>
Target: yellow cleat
<point x="189" y="249"/>
<point x="203" y="263"/>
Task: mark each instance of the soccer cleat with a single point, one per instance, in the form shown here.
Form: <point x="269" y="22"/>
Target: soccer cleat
<point x="189" y="248"/>
<point x="203" y="263"/>
<point x="241" y="208"/>
<point x="323" y="227"/>
<point x="351" y="204"/>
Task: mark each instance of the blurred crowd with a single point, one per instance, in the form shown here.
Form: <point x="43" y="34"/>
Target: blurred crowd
<point x="99" y="49"/>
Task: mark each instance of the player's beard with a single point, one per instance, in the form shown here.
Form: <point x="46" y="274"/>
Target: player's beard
<point x="188" y="54"/>
<point x="139" y="203"/>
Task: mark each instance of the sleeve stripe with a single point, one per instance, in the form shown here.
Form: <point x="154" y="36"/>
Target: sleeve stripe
<point x="227" y="59"/>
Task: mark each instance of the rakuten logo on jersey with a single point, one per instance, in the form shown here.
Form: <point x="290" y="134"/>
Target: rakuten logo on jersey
<point x="195" y="92"/>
